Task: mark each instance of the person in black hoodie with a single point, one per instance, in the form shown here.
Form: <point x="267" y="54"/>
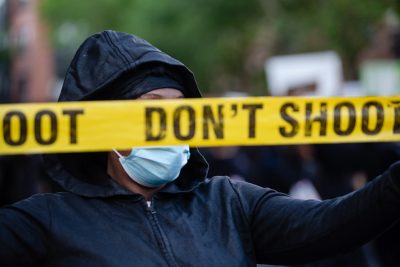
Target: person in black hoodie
<point x="121" y="209"/>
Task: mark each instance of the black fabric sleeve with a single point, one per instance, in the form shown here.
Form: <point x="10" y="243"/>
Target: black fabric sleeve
<point x="290" y="231"/>
<point x="23" y="233"/>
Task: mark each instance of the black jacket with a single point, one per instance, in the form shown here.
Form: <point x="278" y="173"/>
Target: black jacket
<point x="193" y="221"/>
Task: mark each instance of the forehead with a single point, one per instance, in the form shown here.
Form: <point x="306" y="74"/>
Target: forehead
<point x="162" y="93"/>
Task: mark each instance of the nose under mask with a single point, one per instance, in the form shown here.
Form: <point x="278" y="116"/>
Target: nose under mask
<point x="155" y="166"/>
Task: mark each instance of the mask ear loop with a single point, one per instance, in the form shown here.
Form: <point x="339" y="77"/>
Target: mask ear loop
<point x="116" y="152"/>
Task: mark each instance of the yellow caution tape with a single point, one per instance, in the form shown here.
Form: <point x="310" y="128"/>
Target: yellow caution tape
<point x="103" y="125"/>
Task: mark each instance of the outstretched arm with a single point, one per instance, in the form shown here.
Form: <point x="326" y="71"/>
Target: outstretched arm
<point x="290" y="231"/>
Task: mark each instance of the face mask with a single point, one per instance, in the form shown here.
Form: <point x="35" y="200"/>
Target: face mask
<point x="155" y="166"/>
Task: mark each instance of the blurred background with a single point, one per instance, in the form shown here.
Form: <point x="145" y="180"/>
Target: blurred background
<point x="235" y="48"/>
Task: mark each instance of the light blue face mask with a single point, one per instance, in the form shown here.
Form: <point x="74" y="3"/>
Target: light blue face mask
<point x="155" y="166"/>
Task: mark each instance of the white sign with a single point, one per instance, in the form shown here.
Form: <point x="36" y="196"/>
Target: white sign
<point x="312" y="74"/>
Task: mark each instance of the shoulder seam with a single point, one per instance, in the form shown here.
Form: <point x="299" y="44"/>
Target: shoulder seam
<point x="240" y="202"/>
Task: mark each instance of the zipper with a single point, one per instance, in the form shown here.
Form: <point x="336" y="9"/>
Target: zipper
<point x="162" y="241"/>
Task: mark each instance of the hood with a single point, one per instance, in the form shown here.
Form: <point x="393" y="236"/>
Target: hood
<point x="98" y="67"/>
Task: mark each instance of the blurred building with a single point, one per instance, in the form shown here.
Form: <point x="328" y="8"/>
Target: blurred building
<point x="30" y="57"/>
<point x="26" y="75"/>
<point x="4" y="54"/>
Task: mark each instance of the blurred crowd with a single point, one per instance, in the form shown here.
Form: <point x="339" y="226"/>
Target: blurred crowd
<point x="303" y="171"/>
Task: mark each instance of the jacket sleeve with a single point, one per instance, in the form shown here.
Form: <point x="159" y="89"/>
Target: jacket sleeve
<point x="23" y="232"/>
<point x="290" y="231"/>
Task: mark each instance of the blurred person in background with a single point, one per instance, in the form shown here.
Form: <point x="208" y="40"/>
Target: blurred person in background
<point x="228" y="161"/>
<point x="154" y="206"/>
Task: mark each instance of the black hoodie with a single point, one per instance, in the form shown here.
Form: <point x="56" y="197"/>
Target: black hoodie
<point x="193" y="221"/>
<point x="99" y="71"/>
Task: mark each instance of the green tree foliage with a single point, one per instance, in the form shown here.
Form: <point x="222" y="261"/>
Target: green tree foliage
<point x="224" y="38"/>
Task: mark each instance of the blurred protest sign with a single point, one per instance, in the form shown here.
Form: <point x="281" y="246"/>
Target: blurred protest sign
<point x="311" y="74"/>
<point x="381" y="77"/>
